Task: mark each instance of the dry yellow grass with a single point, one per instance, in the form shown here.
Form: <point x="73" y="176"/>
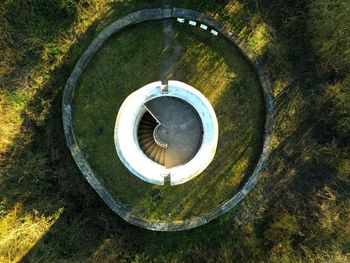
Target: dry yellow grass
<point x="19" y="232"/>
<point x="13" y="103"/>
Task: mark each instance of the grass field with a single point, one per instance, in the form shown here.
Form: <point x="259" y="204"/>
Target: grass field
<point x="299" y="211"/>
<point x="135" y="58"/>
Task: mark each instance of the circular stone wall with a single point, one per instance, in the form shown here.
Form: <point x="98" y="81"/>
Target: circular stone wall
<point x="112" y="201"/>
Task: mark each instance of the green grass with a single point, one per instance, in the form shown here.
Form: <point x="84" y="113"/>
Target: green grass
<point x="299" y="210"/>
<point x="136" y="57"/>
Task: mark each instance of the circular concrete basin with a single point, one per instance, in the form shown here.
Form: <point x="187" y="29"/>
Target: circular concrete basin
<point x="179" y="127"/>
<point x="166" y="133"/>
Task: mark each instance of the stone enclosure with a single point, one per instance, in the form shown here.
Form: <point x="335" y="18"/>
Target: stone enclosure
<point x="216" y="29"/>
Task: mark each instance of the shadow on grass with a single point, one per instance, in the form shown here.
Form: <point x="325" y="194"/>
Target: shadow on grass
<point x="33" y="25"/>
<point x="43" y="177"/>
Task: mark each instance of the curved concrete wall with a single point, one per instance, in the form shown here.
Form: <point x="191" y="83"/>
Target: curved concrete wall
<point x="85" y="168"/>
<point x="133" y="157"/>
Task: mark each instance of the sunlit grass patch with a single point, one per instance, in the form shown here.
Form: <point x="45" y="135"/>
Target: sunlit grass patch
<point x="32" y="46"/>
<point x="12" y="104"/>
<point x="20" y="232"/>
<point x="232" y="8"/>
<point x="210" y="73"/>
<point x="260" y="38"/>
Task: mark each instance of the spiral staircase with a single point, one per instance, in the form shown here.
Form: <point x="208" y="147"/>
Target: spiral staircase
<point x="148" y="141"/>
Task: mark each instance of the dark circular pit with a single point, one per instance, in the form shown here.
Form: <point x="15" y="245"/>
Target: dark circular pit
<point x="174" y="123"/>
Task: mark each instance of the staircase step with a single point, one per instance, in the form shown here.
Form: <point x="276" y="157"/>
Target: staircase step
<point x="158" y="155"/>
<point x="147" y="145"/>
<point x="148" y="122"/>
<point x="144" y="124"/>
<point x="144" y="130"/>
<point x="162" y="157"/>
<point x="153" y="154"/>
<point x="166" y="162"/>
<point x="150" y="148"/>
<point x="147" y="125"/>
<point x="145" y="141"/>
<point x="144" y="136"/>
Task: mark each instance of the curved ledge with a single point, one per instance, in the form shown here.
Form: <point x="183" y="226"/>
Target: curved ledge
<point x="90" y="175"/>
<point x="157" y="140"/>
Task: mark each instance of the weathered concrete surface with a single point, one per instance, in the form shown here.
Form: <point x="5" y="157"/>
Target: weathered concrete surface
<point x="92" y="178"/>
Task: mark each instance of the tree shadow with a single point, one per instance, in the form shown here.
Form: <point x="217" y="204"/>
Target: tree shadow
<point x="87" y="229"/>
<point x="33" y="24"/>
<point x="41" y="175"/>
<point x="301" y="171"/>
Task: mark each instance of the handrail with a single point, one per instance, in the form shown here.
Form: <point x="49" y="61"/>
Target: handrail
<point x="149" y="111"/>
<point x="158" y="141"/>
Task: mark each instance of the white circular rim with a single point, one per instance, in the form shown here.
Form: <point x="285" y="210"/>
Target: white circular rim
<point x="126" y="142"/>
